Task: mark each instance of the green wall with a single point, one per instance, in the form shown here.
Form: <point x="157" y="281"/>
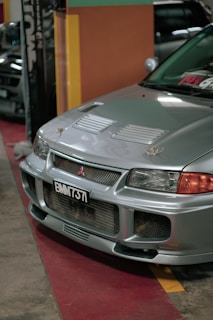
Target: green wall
<point x="99" y="3"/>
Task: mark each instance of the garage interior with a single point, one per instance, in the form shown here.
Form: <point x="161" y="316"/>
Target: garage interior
<point x="45" y="276"/>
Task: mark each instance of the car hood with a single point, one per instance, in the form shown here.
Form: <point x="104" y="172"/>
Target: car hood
<point x="135" y="127"/>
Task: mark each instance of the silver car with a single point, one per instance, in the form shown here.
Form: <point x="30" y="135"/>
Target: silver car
<point x="131" y="173"/>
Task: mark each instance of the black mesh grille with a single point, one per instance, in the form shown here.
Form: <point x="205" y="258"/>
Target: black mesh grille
<point x="8" y="81"/>
<point x="152" y="226"/>
<point x="101" y="176"/>
<point x="98" y="215"/>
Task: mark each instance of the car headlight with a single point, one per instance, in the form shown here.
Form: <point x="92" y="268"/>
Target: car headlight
<point x="155" y="180"/>
<point x="40" y="147"/>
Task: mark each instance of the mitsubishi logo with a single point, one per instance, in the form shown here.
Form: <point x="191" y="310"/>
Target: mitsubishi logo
<point x="81" y="172"/>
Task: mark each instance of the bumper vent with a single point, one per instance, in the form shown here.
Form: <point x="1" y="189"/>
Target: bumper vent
<point x="30" y="183"/>
<point x="75" y="232"/>
<point x="151" y="226"/>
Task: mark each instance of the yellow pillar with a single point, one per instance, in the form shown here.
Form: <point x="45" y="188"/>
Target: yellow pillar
<point x="60" y="61"/>
<point x="73" y="62"/>
<point x="6" y="8"/>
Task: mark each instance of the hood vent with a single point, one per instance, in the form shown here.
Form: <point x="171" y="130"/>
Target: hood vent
<point x="139" y="134"/>
<point x="90" y="107"/>
<point x="92" y="123"/>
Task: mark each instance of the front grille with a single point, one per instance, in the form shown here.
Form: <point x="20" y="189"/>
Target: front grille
<point x="101" y="176"/>
<point x="152" y="226"/>
<point x="98" y="215"/>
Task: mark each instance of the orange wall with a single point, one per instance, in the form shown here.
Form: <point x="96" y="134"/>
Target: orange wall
<point x="100" y="49"/>
<point x="114" y="42"/>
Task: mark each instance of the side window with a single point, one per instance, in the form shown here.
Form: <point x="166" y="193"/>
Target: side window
<point x="193" y="19"/>
<point x="13" y="36"/>
<point x="168" y="20"/>
<point x="171" y="18"/>
<point x="190" y="19"/>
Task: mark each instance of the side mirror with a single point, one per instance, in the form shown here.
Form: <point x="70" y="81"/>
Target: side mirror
<point x="151" y="64"/>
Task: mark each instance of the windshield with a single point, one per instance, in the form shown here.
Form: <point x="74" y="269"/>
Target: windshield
<point x="189" y="69"/>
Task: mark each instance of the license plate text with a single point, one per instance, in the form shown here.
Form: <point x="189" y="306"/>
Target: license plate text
<point x="72" y="192"/>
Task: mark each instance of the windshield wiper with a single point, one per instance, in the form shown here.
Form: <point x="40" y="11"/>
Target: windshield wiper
<point x="166" y="86"/>
<point x="153" y="85"/>
<point x="189" y="90"/>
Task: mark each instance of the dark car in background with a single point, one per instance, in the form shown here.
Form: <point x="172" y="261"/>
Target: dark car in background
<point x="175" y="22"/>
<point x="11" y="69"/>
<point x="11" y="97"/>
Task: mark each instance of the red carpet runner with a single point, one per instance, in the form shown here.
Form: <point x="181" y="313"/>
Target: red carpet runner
<point x="88" y="284"/>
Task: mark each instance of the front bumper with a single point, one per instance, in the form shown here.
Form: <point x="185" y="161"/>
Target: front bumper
<point x="132" y="224"/>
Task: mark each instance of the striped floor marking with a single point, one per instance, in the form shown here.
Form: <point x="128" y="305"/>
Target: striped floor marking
<point x="166" y="278"/>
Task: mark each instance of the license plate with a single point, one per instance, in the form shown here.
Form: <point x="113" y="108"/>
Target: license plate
<point x="72" y="192"/>
<point x="3" y="93"/>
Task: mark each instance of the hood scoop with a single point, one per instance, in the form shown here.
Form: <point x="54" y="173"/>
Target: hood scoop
<point x="139" y="134"/>
<point x="92" y="123"/>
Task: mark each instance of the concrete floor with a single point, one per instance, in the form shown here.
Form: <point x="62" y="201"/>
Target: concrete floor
<point x="196" y="302"/>
<point x="25" y="291"/>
